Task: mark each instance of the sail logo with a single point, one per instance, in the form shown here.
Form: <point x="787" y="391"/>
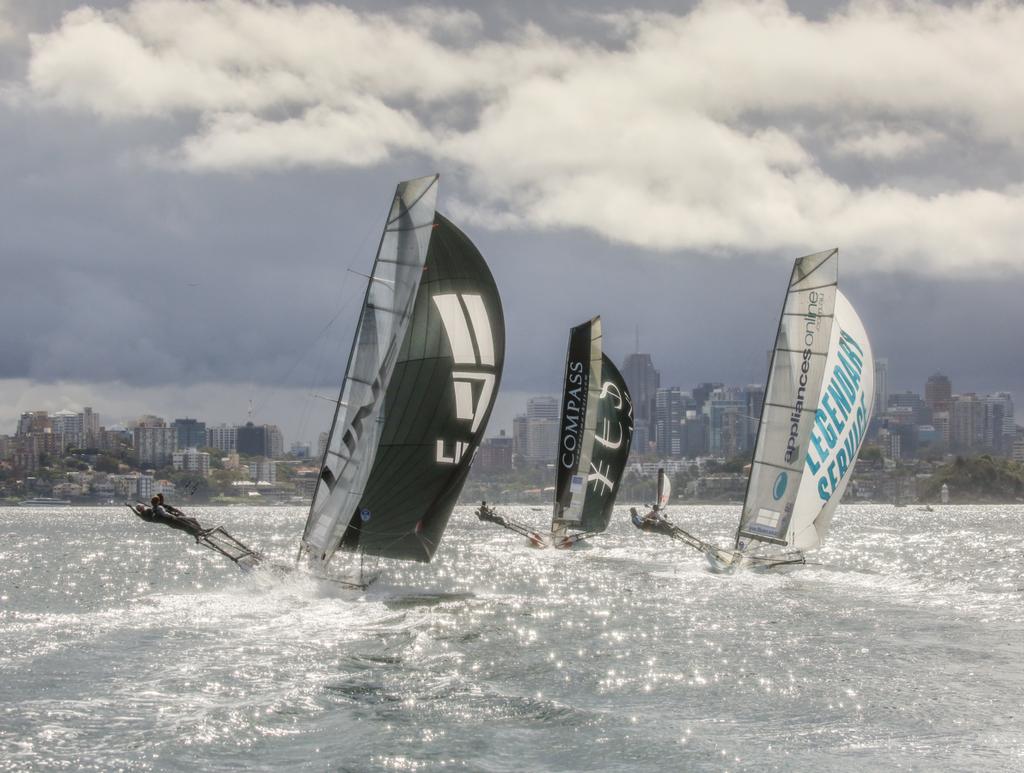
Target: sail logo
<point x="811" y="323"/>
<point x="781" y="481"/>
<point x="841" y="419"/>
<point x="468" y="328"/>
<point x="610" y="437"/>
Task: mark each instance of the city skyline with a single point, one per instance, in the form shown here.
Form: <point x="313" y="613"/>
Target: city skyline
<point x="214" y="268"/>
<point x="508" y="406"/>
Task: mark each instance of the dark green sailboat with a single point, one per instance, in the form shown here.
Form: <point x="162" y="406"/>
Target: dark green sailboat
<point x="595" y="432"/>
<point x="425" y="367"/>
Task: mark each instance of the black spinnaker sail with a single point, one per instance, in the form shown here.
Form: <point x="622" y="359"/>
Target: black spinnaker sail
<point x="436" y="401"/>
<point x="595" y="434"/>
<point x="437" y="404"/>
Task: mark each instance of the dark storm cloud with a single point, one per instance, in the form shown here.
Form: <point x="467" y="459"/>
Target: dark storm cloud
<point x="122" y="262"/>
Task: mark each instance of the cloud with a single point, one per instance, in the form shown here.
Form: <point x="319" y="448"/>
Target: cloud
<point x="708" y="131"/>
<point x="886" y="143"/>
<point x="7" y="30"/>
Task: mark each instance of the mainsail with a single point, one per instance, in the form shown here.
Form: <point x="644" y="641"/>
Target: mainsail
<point x="418" y="389"/>
<point x="791" y="397"/>
<point x="817" y="404"/>
<point x="595" y="433"/>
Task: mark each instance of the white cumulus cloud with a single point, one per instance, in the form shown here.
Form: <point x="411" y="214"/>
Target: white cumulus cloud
<point x="697" y="131"/>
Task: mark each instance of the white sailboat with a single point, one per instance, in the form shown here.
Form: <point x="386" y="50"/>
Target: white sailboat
<point x="818" y="403"/>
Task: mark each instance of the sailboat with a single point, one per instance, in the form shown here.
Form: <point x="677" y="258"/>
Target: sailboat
<point x="425" y="366"/>
<point x="595" y="432"/>
<point x="818" y="403"/>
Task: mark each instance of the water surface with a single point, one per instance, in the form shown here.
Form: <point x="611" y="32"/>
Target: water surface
<point x="123" y="645"/>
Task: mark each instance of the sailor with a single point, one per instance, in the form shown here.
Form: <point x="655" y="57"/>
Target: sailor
<point x="487" y="514"/>
<point x="636" y="518"/>
<point x="171" y="509"/>
<point x="651" y="522"/>
<point x="157" y="513"/>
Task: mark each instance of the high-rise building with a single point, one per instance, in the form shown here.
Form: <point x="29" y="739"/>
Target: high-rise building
<point x="542" y="408"/>
<point x="222" y="437"/>
<point x="91" y="427"/>
<point x="938" y="391"/>
<point x="966" y="422"/>
<point x="495" y="453"/>
<point x="71" y="426"/>
<point x="192" y="460"/>
<point x="300" y="450"/>
<point x="191" y="433"/>
<point x="535" y="435"/>
<point x="520" y="443"/>
<point x="251" y="440"/>
<point x="701" y="392"/>
<point x="695" y="435"/>
<point x="907" y="401"/>
<point x="275" y="441"/>
<point x="881" y="385"/>
<point x="541" y="440"/>
<point x="642" y="381"/>
<point x="263" y="470"/>
<point x="321" y="445"/>
<point x="155" y="445"/>
<point x="669" y="412"/>
<point x="33" y="422"/>
<point x="1000" y="427"/>
<point x="726" y="409"/>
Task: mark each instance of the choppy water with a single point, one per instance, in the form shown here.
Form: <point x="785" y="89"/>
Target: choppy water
<point x="122" y="645"/>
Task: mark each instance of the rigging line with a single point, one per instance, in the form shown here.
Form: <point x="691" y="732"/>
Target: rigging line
<point x="358" y="249"/>
<point x="313" y="343"/>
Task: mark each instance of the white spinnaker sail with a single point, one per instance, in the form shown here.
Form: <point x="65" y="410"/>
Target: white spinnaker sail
<point x="387" y="307"/>
<point x="664" y="489"/>
<point x="841" y="422"/>
<point x="791" y="399"/>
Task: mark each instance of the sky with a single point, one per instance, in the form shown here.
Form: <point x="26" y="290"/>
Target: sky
<point x="187" y="184"/>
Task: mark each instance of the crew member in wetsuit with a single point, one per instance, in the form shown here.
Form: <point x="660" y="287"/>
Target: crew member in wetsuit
<point x="487" y="514"/>
<point x="157" y="513"/>
<point x="650" y="522"/>
<point x="173" y="510"/>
